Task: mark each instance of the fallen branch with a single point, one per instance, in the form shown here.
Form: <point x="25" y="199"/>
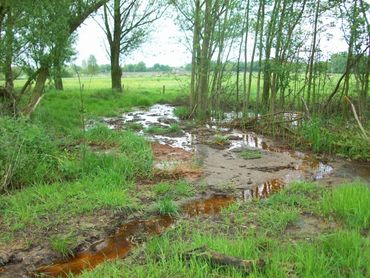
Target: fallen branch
<point x="357" y="119"/>
<point x="223" y="260"/>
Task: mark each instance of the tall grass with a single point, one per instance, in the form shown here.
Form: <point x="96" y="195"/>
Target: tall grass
<point x="28" y="155"/>
<point x="350" y="203"/>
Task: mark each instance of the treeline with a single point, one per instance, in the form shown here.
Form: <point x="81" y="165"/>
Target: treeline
<point x="336" y="64"/>
<point x="281" y="41"/>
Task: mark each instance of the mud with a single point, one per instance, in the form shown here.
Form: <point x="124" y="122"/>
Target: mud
<point x="309" y="226"/>
<point x="120" y="244"/>
<point x="173" y="163"/>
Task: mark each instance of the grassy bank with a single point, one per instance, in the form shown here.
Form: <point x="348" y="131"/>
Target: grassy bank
<point x="296" y="232"/>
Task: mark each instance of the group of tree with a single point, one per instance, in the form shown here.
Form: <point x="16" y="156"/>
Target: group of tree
<point x="284" y="39"/>
<point x="141" y="67"/>
<point x="38" y="36"/>
<point x="277" y="43"/>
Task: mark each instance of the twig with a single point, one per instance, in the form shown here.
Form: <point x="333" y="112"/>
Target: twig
<point x="357" y="119"/>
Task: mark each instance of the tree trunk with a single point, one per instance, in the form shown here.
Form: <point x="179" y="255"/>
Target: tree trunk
<point x="9" y="40"/>
<point x="245" y="100"/>
<point x="267" y="66"/>
<point x="194" y="56"/>
<point x="116" y="71"/>
<point x="58" y="81"/>
<point x="253" y="52"/>
<point x="115" y="48"/>
<point x="37" y="91"/>
<point x="204" y="63"/>
<point x="260" y="47"/>
<point x="312" y="56"/>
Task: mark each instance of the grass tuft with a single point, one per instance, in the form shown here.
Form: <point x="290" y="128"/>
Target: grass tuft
<point x="350" y="203"/>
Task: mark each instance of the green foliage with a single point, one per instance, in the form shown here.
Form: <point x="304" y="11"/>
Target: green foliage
<point x="174" y="190"/>
<point x="182" y="112"/>
<point x="167" y="206"/>
<point x="328" y="135"/>
<point x="36" y="204"/>
<point x="277" y="220"/>
<point x="350" y="203"/>
<point x="92" y="65"/>
<point x="251" y="154"/>
<point x="220" y="140"/>
<point x="28" y="155"/>
<point x="63" y="244"/>
<point x="171" y="130"/>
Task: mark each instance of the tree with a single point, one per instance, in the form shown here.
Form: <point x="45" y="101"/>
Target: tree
<point x="38" y="38"/>
<point x="126" y="26"/>
<point x="92" y="65"/>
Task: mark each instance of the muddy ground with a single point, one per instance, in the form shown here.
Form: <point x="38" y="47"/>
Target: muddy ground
<point x="217" y="169"/>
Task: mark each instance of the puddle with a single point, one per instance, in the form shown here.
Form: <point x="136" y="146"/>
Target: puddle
<point x="264" y="190"/>
<point x="319" y="169"/>
<point x="208" y="206"/>
<point x="114" y="247"/>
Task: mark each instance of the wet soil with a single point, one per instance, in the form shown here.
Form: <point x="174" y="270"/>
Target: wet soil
<point x="120" y="244"/>
<point x="219" y="171"/>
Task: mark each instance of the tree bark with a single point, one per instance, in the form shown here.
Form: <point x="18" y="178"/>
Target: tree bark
<point x="204" y="62"/>
<point x="37" y="91"/>
<point x="245" y="100"/>
<point x="312" y="56"/>
<point x="58" y="81"/>
<point x="254" y="51"/>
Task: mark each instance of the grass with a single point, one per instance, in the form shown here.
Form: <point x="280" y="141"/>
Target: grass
<point x="251" y="231"/>
<point x="174" y="190"/>
<point x="327" y="135"/>
<point x="173" y="129"/>
<point x="251" y="154"/>
<point x="350" y="203"/>
<point x="220" y="140"/>
<point x="63" y="244"/>
<point x="167" y="206"/>
<point x="182" y="112"/>
<point x="49" y="205"/>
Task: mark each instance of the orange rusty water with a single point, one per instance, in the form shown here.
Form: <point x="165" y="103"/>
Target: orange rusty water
<point x="264" y="190"/>
<point x="208" y="206"/>
<point x="120" y="244"/>
<point x="116" y="246"/>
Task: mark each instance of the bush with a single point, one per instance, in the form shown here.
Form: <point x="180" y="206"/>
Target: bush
<point x="27" y="155"/>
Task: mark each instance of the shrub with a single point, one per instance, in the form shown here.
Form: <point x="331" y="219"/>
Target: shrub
<point x="28" y="155"/>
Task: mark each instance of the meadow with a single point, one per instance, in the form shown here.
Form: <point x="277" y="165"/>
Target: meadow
<point x="68" y="183"/>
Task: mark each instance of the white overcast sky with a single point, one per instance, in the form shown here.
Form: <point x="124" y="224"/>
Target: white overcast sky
<point x="163" y="46"/>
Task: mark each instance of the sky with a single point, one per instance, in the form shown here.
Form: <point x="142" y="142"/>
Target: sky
<point x="164" y="44"/>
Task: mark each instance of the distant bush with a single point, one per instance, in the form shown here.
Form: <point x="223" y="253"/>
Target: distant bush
<point x="27" y="154"/>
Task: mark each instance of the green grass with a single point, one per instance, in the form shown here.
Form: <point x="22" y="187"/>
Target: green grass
<point x="182" y="112"/>
<point x="327" y="135"/>
<point x="251" y="231"/>
<point x="63" y="244"/>
<point x="28" y="154"/>
<point x="47" y="205"/>
<point x="60" y="111"/>
<point x="174" y="190"/>
<point x="220" y="140"/>
<point x="251" y="154"/>
<point x="167" y="206"/>
<point x="173" y="129"/>
<point x="349" y="203"/>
